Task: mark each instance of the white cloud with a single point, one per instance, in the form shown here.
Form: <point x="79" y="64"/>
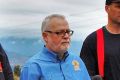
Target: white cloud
<point x="22" y="18"/>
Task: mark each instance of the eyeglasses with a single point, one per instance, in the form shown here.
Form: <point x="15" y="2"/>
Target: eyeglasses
<point x="62" y="33"/>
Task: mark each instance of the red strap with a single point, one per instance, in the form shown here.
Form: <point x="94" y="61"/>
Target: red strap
<point x="0" y="67"/>
<point x="100" y="51"/>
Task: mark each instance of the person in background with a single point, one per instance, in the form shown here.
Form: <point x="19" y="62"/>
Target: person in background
<point x="54" y="62"/>
<point x="111" y="37"/>
<point x="5" y="69"/>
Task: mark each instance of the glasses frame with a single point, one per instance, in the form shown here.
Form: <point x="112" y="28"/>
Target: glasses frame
<point x="62" y="33"/>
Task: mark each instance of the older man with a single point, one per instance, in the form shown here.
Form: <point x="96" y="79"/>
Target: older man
<point x="54" y="62"/>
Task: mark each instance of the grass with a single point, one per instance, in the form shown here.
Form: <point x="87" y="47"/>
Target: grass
<point x="16" y="77"/>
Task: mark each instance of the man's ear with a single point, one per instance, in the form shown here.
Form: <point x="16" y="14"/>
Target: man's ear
<point x="44" y="35"/>
<point x="107" y="8"/>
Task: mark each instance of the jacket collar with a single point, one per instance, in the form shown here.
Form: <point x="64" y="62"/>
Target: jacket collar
<point x="48" y="55"/>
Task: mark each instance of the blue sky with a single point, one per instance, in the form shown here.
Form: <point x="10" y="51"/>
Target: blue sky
<point x="22" y="18"/>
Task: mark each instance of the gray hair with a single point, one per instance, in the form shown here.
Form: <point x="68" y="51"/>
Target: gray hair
<point x="45" y="23"/>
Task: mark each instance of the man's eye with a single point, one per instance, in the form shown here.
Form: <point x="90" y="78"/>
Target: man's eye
<point x="68" y="31"/>
<point x="118" y="6"/>
<point x="58" y="33"/>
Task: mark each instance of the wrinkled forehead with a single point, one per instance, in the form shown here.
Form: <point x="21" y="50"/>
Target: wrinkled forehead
<point x="117" y="3"/>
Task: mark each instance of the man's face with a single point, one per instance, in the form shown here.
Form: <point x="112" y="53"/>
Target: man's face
<point x="56" y="40"/>
<point x="113" y="11"/>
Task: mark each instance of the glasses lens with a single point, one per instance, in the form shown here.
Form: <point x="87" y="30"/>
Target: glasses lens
<point x="70" y="32"/>
<point x="62" y="33"/>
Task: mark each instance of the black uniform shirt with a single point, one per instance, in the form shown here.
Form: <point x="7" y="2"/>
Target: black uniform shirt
<point x="112" y="55"/>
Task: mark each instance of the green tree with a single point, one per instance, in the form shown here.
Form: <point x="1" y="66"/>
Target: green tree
<point x="17" y="70"/>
